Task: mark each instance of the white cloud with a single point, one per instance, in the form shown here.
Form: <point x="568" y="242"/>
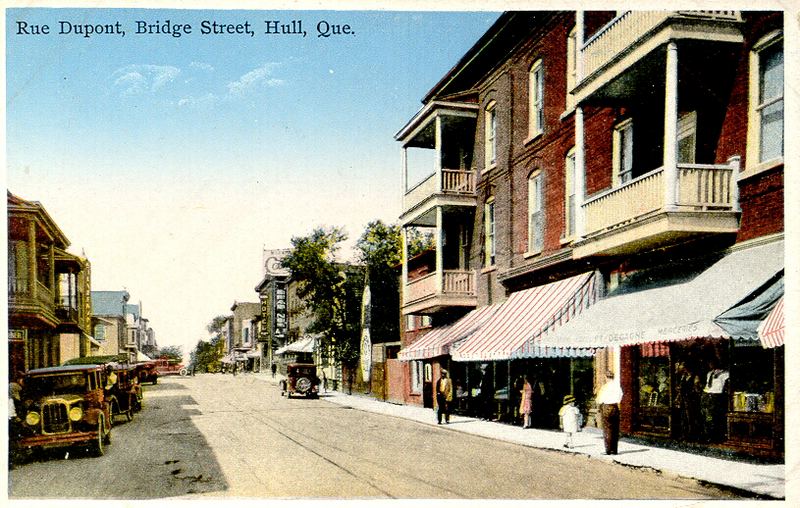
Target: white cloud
<point x="141" y="79"/>
<point x="257" y="78"/>
<point x="202" y="66"/>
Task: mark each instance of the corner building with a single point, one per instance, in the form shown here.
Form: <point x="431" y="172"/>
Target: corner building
<point x="608" y="195"/>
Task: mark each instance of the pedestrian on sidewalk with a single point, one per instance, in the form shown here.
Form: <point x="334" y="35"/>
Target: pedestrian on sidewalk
<point x="526" y="404"/>
<point x="570" y="419"/>
<point x="274" y="370"/>
<point x="608" y="398"/>
<point x="324" y="382"/>
<point x="444" y="396"/>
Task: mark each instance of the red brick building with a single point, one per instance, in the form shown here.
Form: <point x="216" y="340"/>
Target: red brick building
<point x="589" y="165"/>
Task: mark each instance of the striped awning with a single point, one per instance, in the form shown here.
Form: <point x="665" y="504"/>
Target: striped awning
<point x="437" y="342"/>
<point x="771" y="330"/>
<point x="526" y="314"/>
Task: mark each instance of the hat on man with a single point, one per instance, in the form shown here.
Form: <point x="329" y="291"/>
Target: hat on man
<point x="568" y="399"/>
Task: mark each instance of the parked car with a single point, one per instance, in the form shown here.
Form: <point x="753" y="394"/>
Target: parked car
<point x="125" y="396"/>
<point x="168" y="366"/>
<point x="301" y="378"/>
<point x="146" y="372"/>
<point x="65" y="406"/>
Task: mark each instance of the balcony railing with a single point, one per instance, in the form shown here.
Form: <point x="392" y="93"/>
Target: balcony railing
<point x="67" y="314"/>
<point x="454" y="182"/>
<point x="454" y="283"/>
<point x="629" y="28"/>
<point x="45" y="295"/>
<point x="700" y="187"/>
<point x="17" y="285"/>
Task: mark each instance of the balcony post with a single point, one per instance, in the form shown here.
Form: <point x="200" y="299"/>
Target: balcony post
<point x="580" y="175"/>
<point x="439" y="251"/>
<point x="33" y="277"/>
<point x="579" y="37"/>
<point x="735" y="163"/>
<point x="671" y="128"/>
<point x="51" y="262"/>
<point x="438" y="146"/>
<point x="404" y="176"/>
<point x="404" y="260"/>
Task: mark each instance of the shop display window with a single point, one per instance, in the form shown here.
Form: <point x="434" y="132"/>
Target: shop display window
<point x="654" y="390"/>
<point x="752" y="379"/>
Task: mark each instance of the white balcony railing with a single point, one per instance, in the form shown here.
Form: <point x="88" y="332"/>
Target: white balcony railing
<point x="629" y="28"/>
<point x="454" y="283"/>
<point x="454" y="182"/>
<point x="699" y="187"/>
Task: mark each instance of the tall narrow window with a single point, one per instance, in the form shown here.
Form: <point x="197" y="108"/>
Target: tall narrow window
<point x="488" y="222"/>
<point x="687" y="137"/>
<point x="569" y="194"/>
<point x="535" y="215"/>
<point x="416" y="376"/>
<point x="770" y="101"/>
<point x="491" y="135"/>
<point x="572" y="66"/>
<point x="623" y="152"/>
<point x="536" y="99"/>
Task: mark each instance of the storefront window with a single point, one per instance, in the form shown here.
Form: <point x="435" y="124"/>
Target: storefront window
<point x="752" y="379"/>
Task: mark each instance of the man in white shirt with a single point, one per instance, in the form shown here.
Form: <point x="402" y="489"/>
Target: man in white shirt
<point x="608" y="398"/>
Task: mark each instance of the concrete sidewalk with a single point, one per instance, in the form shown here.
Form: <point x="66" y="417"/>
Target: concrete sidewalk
<point x="764" y="480"/>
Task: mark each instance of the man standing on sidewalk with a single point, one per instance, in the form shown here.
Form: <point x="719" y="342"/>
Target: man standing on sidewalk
<point x="444" y="395"/>
<point x="608" y="398"/>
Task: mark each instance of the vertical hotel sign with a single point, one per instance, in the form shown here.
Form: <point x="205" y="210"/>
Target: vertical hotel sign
<point x="274" y="269"/>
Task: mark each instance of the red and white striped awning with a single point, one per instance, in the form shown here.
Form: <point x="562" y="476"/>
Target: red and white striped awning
<point x="525" y="315"/>
<point x="437" y="342"/>
<point x="771" y="330"/>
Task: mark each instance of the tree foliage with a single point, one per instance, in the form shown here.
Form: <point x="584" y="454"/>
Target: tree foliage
<point x="208" y="353"/>
<point x="331" y="290"/>
<point x="380" y="250"/>
<point x="171" y="352"/>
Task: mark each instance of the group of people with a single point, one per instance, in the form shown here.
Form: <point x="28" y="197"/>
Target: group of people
<point x="570" y="417"/>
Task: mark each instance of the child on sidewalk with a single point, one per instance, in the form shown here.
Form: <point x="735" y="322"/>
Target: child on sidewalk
<point x="570" y="419"/>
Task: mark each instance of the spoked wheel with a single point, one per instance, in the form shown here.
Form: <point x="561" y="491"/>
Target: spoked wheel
<point x="98" y="445"/>
<point x="129" y="411"/>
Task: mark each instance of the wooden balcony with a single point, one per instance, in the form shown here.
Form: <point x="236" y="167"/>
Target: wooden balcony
<point x="447" y="187"/>
<point x="632" y="35"/>
<point x="634" y="216"/>
<point x="25" y="307"/>
<point x="423" y="296"/>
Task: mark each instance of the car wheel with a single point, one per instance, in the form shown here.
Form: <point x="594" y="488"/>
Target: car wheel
<point x="184" y="372"/>
<point x="98" y="446"/>
<point x="129" y="412"/>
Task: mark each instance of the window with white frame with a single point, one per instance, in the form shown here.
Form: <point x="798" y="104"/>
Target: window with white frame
<point x="572" y="67"/>
<point x="416" y="376"/>
<point x="490" y="135"/>
<point x="622" y="162"/>
<point x="687" y="137"/>
<point x="489" y="226"/>
<point x="569" y="194"/>
<point x="535" y="213"/>
<point x="765" y="130"/>
<point x="99" y="332"/>
<point x="536" y="99"/>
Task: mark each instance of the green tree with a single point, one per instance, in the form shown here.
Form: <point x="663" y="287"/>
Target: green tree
<point x="207" y="353"/>
<point x="331" y="290"/>
<point x="171" y="352"/>
<point x="380" y="250"/>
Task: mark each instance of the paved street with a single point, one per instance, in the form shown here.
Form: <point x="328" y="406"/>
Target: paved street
<point x="217" y="435"/>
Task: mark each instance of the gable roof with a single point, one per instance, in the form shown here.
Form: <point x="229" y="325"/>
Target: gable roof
<point x="109" y="303"/>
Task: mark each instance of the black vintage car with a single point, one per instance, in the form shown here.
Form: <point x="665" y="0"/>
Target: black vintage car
<point x="125" y="394"/>
<point x="301" y="379"/>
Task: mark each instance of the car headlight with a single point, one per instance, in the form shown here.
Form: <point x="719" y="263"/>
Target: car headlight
<point x="75" y="414"/>
<point x="32" y="418"/>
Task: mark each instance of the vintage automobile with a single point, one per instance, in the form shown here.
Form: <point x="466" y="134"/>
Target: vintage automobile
<point x="301" y="379"/>
<point x="65" y="406"/>
<point x="147" y="372"/>
<point x="168" y="366"/>
<point x="125" y="395"/>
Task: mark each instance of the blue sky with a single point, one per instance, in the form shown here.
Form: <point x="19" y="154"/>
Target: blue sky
<point x="172" y="161"/>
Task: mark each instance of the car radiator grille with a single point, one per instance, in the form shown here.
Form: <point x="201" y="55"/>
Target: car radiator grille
<point x="54" y="418"/>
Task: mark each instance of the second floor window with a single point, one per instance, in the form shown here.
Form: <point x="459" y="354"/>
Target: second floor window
<point x="768" y="98"/>
<point x="569" y="195"/>
<point x="99" y="332"/>
<point x="488" y="222"/>
<point x="572" y="67"/>
<point x="536" y="99"/>
<point x="535" y="214"/>
<point x="491" y="135"/>
<point x="623" y="152"/>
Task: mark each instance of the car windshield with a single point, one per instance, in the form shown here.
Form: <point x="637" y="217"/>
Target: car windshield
<point x="56" y="384"/>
